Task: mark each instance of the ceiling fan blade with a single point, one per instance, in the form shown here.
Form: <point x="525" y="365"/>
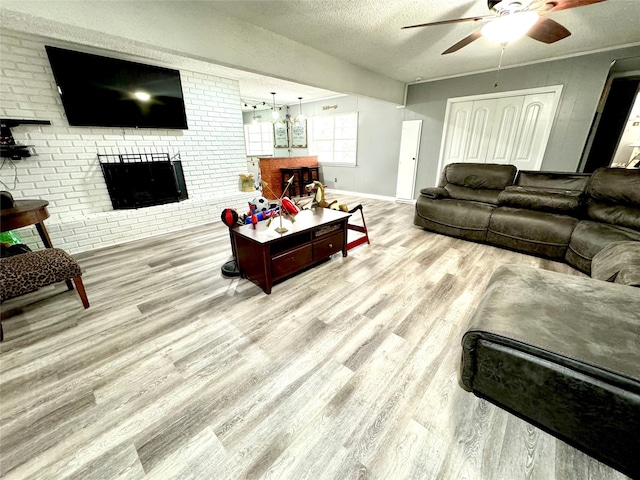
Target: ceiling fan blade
<point x="446" y="22"/>
<point x="557" y="5"/>
<point x="463" y="43"/>
<point x="547" y="31"/>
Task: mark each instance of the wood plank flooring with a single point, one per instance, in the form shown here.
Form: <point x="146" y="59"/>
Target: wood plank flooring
<point x="345" y="371"/>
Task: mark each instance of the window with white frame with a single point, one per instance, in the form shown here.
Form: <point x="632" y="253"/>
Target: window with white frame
<point x="334" y="138"/>
<point x="258" y="139"/>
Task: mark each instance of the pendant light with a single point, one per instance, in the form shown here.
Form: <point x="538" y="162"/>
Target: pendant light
<point x="274" y="112"/>
<point x="300" y="116"/>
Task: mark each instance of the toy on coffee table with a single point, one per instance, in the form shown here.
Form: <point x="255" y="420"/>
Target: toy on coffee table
<point x="318" y="199"/>
<point x="285" y="206"/>
<point x="259" y="209"/>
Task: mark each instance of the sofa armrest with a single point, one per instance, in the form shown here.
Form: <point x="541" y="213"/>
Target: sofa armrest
<point x="629" y="275"/>
<point x="608" y="263"/>
<point x="435" y="192"/>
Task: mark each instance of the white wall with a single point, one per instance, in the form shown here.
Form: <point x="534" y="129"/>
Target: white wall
<point x="583" y="78"/>
<point x="66" y="171"/>
<point x="379" y="130"/>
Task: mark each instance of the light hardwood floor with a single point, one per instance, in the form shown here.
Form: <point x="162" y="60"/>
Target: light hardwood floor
<point x="347" y="370"/>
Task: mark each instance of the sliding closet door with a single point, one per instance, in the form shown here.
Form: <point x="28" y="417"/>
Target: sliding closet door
<point x="534" y="129"/>
<point x="457" y="132"/>
<point x="507" y="128"/>
<point x="480" y="127"/>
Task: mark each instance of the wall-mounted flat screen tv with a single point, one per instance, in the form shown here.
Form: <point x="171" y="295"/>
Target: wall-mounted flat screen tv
<point x="108" y="92"/>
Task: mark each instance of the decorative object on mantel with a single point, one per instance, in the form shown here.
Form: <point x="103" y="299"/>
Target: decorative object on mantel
<point x="329" y="107"/>
<point x="247" y="182"/>
<point x="8" y="146"/>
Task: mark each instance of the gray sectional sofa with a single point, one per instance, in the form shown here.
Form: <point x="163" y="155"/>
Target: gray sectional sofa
<point x="563" y="216"/>
<point x="560" y="351"/>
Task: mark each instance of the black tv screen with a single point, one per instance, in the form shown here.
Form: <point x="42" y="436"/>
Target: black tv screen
<point x="108" y="92"/>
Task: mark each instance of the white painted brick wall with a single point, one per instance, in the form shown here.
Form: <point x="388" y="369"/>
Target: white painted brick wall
<point x="66" y="171"/>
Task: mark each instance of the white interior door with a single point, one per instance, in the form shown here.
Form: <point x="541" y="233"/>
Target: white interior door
<point x="408" y="158"/>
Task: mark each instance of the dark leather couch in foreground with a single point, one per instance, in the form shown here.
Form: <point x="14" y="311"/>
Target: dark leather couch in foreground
<point x="563" y="353"/>
<point x="560" y="351"/>
<point x="563" y="216"/>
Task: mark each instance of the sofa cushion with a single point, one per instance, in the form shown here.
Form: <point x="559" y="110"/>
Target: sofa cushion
<point x="554" y="180"/>
<point x="490" y="176"/>
<point x="477" y="182"/>
<point x="473" y="194"/>
<point x="608" y="262"/>
<point x="542" y="198"/>
<point x="546" y="191"/>
<point x="540" y="233"/>
<point x="589" y="237"/>
<point x="457" y="218"/>
<point x="613" y="196"/>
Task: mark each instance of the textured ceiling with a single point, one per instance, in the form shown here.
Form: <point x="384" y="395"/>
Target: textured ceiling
<point x="368" y="32"/>
<point x="363" y="34"/>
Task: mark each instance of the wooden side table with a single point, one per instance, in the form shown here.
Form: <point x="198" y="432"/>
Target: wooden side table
<point x="25" y="213"/>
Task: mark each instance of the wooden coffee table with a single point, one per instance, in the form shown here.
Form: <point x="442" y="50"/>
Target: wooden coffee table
<point x="265" y="256"/>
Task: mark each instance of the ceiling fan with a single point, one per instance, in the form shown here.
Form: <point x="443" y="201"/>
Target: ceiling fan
<point x="510" y="19"/>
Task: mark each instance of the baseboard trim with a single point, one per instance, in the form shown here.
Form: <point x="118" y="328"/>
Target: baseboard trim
<point x="361" y="194"/>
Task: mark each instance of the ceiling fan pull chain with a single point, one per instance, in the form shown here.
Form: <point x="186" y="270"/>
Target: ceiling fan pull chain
<point x="504" y="45"/>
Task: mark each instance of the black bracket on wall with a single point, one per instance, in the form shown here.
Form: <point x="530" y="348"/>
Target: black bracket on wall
<point x="8" y="147"/>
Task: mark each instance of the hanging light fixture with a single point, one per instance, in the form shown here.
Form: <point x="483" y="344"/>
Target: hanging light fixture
<point x="254" y="120"/>
<point x="274" y="111"/>
<point x="300" y="116"/>
<point x="507" y="28"/>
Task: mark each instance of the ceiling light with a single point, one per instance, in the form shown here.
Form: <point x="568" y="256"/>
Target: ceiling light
<point x="507" y="28"/>
<point x="274" y="112"/>
<point x="142" y="96"/>
<point x="300" y="116"/>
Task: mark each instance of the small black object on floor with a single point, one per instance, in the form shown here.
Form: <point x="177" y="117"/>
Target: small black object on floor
<point x="230" y="269"/>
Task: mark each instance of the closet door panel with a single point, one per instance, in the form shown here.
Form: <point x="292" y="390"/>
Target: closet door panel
<point x="504" y="130"/>
<point x="480" y="128"/>
<point x="457" y="129"/>
<point x="534" y="128"/>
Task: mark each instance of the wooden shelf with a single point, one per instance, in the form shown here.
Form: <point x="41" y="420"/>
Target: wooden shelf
<point x="12" y="122"/>
<point x="8" y="147"/>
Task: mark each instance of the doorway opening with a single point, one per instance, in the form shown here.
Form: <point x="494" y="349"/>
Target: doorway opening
<point x="615" y="134"/>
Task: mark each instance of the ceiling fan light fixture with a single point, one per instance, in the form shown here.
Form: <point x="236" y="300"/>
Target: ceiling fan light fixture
<point x="507" y="28"/>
